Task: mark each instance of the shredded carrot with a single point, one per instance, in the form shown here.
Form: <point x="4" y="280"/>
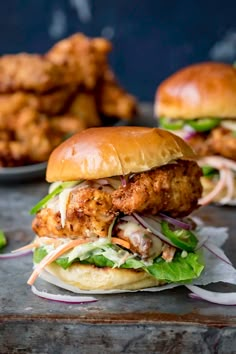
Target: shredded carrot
<point x="52" y="257"/>
<point x="35" y="244"/>
<point x="120" y="242"/>
<point x="27" y="247"/>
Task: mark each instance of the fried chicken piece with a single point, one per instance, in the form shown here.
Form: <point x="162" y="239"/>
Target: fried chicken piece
<point x="89" y="213"/>
<point x="84" y="106"/>
<point x="200" y="144"/>
<point x="83" y="58"/>
<point x="113" y="100"/>
<point x="12" y="153"/>
<point x="30" y="72"/>
<point x="223" y="142"/>
<point x="52" y="103"/>
<point x="32" y="129"/>
<point x="66" y="125"/>
<point x="173" y="189"/>
<point x="30" y="136"/>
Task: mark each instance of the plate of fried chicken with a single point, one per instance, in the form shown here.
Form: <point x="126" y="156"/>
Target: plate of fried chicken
<point x="44" y="98"/>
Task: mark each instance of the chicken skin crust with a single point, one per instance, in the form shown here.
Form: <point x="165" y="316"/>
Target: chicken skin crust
<point x="173" y="189"/>
<point x="223" y="142"/>
<point x="30" y="72"/>
<point x="89" y="213"/>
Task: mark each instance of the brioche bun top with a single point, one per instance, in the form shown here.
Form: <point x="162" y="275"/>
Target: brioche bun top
<point x="111" y="151"/>
<point x="198" y="91"/>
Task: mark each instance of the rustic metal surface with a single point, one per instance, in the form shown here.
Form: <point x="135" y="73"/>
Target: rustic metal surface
<point x="124" y="323"/>
<point x="166" y="322"/>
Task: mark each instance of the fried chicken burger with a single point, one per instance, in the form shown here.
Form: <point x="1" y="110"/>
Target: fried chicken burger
<point x="116" y="216"/>
<point x="199" y="104"/>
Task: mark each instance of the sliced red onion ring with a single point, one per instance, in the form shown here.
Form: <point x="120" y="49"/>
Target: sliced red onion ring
<point x="211" y="296"/>
<point x="201" y="242"/>
<point x="229" y="183"/>
<point x="218" y="162"/>
<point x="217" y="252"/>
<point x="63" y="298"/>
<point x="153" y="226"/>
<point x="176" y="222"/>
<point x="123" y="181"/>
<point x="189" y="135"/>
<point x="15" y="254"/>
<point x="102" y="181"/>
<point x="128" y="218"/>
<point x="218" y="188"/>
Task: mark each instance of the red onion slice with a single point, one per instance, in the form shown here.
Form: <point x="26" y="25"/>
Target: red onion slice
<point x="102" y="181"/>
<point x="123" y="181"/>
<point x="176" y="222"/>
<point x="217" y="252"/>
<point x="218" y="162"/>
<point x="201" y="242"/>
<point x="211" y="296"/>
<point x="189" y="135"/>
<point x="63" y="298"/>
<point x="218" y="188"/>
<point x="15" y="254"/>
<point x="229" y="183"/>
<point x="153" y="226"/>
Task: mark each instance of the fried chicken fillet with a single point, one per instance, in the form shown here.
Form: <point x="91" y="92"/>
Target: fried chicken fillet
<point x="30" y="72"/>
<point x="173" y="189"/>
<point x="51" y="103"/>
<point x="83" y="58"/>
<point x="30" y="136"/>
<point x="113" y="100"/>
<point x="83" y="105"/>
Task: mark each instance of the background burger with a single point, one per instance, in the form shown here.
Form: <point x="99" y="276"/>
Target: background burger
<point x="199" y="104"/>
<point x="116" y="214"/>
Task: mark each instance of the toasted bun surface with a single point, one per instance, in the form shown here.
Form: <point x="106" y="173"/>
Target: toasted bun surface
<point x="198" y="91"/>
<point x="90" y="277"/>
<point x="104" y="152"/>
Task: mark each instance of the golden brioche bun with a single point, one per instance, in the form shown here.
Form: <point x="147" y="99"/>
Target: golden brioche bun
<point x="90" y="277"/>
<point x="198" y="91"/>
<point x="104" y="152"/>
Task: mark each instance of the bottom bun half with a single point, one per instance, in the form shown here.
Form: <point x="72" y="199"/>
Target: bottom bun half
<point x="92" y="278"/>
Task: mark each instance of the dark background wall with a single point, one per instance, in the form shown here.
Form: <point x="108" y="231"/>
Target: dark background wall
<point x="152" y="38"/>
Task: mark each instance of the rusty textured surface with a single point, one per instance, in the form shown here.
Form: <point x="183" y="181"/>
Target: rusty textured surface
<point x="166" y="322"/>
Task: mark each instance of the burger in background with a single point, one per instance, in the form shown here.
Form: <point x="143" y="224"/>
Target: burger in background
<point x="117" y="212"/>
<point x="198" y="103"/>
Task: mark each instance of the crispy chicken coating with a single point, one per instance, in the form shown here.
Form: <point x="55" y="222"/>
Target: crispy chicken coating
<point x="113" y="100"/>
<point x="200" y="144"/>
<point x="30" y="72"/>
<point x="173" y="189"/>
<point x="83" y="58"/>
<point x="13" y="153"/>
<point x="66" y="125"/>
<point x="84" y="106"/>
<point x="52" y="103"/>
<point x="26" y="138"/>
<point x="223" y="142"/>
<point x="32" y="129"/>
<point x="89" y="213"/>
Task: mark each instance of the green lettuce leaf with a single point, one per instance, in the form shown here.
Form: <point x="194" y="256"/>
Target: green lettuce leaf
<point x="179" y="270"/>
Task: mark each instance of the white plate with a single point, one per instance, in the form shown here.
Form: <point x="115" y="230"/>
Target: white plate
<point x="22" y="173"/>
